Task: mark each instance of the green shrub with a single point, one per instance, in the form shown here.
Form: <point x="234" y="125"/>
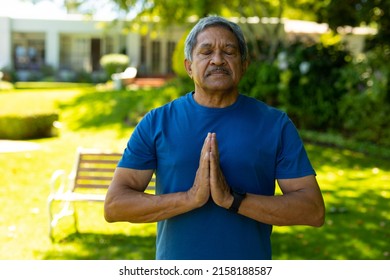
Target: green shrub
<point x="309" y="94"/>
<point x="114" y="63"/>
<point x="262" y="81"/>
<point x="365" y="108"/>
<point x="50" y="85"/>
<point x="4" y="85"/>
<point x="28" y="127"/>
<point x="178" y="58"/>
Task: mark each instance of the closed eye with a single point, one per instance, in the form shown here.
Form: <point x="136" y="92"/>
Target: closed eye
<point x="230" y="50"/>
<point x="206" y="52"/>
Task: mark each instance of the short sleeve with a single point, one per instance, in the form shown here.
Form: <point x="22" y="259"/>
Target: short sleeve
<point x="140" y="152"/>
<point x="292" y="159"/>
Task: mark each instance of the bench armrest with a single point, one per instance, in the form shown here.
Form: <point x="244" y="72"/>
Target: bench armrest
<point x="58" y="182"/>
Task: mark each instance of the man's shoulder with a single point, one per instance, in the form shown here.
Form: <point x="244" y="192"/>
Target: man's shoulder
<point x="169" y="109"/>
<point x="175" y="103"/>
<point x="262" y="107"/>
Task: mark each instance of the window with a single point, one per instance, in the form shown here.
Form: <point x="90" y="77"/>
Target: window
<point x="108" y="45"/>
<point x="28" y="51"/>
<point x="65" y="51"/>
<point x="81" y="54"/>
<point x="170" y="49"/>
<point x="75" y="53"/>
<point x="143" y="50"/>
<point x="156" y="56"/>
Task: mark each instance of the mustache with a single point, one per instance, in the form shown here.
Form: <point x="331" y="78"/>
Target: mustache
<point x="218" y="69"/>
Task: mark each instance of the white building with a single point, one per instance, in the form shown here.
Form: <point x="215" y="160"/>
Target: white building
<point x="78" y="44"/>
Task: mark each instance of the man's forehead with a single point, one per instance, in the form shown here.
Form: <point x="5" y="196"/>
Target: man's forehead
<point x="210" y="35"/>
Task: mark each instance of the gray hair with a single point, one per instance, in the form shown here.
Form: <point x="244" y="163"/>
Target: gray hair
<point x="210" y="21"/>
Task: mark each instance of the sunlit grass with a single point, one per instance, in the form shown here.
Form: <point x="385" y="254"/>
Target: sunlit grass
<point x="356" y="190"/>
<point x="30" y="101"/>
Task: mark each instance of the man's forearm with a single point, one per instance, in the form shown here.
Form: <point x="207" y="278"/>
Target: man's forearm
<point x="139" y="207"/>
<point x="283" y="210"/>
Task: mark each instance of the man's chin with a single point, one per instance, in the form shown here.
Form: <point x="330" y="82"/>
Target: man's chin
<point x="219" y="88"/>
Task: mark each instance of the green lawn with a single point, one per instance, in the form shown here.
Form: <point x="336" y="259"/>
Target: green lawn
<point x="356" y="188"/>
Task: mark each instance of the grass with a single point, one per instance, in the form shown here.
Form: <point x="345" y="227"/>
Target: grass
<point x="30" y="101"/>
<point x="356" y="188"/>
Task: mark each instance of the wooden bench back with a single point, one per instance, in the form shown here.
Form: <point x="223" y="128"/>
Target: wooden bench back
<point x="95" y="170"/>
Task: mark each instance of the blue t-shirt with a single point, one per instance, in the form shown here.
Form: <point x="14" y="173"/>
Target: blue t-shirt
<point x="257" y="144"/>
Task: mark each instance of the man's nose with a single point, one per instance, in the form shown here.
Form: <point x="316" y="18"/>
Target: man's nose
<point x="218" y="58"/>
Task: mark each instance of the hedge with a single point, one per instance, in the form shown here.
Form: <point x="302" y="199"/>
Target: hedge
<point x="28" y="127"/>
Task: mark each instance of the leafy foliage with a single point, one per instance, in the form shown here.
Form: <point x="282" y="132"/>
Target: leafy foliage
<point x="365" y="107"/>
<point x="323" y="89"/>
<point x="359" y="13"/>
<point x="262" y="81"/>
<point x="309" y="95"/>
<point x="178" y="58"/>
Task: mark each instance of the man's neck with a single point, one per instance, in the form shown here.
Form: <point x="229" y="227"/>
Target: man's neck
<point x="215" y="99"/>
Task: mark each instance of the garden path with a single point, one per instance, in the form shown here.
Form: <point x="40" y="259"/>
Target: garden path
<point x="11" y="146"/>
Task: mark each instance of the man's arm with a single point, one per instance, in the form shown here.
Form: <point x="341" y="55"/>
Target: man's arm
<point x="300" y="204"/>
<point x="127" y="201"/>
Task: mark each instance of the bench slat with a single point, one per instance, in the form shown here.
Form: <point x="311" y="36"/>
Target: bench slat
<point x="91" y="186"/>
<point x="99" y="161"/>
<point x="95" y="177"/>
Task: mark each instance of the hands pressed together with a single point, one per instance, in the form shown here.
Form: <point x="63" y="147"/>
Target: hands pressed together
<point x="209" y="179"/>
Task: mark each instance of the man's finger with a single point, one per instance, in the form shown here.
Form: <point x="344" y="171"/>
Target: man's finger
<point x="214" y="145"/>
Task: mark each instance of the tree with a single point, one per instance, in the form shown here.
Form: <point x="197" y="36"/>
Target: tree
<point x="171" y="12"/>
<point x="161" y="13"/>
<point x="72" y="5"/>
<point x="360" y="12"/>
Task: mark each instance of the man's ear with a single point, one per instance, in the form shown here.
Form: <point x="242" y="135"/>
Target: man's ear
<point x="187" y="65"/>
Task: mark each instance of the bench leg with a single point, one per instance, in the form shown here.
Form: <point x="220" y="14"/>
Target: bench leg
<point x="49" y="206"/>
<point x="66" y="210"/>
<point x="75" y="218"/>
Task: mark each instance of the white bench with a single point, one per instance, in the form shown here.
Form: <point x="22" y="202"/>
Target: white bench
<point x="89" y="180"/>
